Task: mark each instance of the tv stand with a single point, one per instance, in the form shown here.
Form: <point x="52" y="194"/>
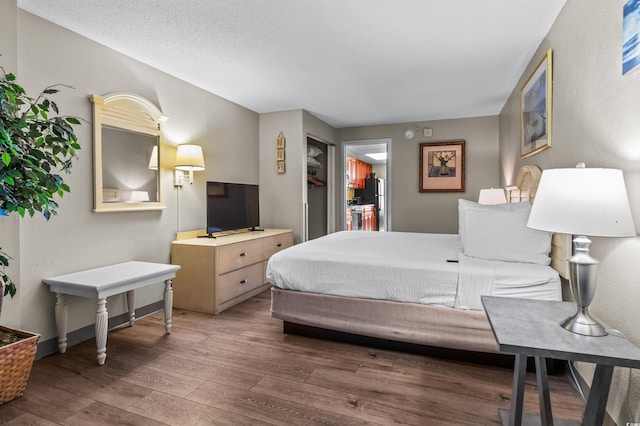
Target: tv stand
<point x="217" y="274"/>
<point x="255" y="229"/>
<point x="209" y="235"/>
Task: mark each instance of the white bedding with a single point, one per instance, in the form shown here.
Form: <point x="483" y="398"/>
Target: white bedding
<point x="405" y="267"/>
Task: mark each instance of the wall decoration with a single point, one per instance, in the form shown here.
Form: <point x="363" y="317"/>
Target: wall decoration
<point x="535" y="109"/>
<point x="630" y="36"/>
<point x="442" y="166"/>
<point x="280" y="145"/>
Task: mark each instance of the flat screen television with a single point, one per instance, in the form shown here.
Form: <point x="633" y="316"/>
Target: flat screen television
<point x="231" y="207"/>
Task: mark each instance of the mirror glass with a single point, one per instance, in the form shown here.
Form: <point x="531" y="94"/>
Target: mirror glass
<point x="129" y="173"/>
<point x="127" y="140"/>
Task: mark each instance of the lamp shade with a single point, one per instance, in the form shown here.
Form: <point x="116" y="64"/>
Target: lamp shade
<point x="153" y="160"/>
<point x="492" y="196"/>
<point x="582" y="201"/>
<point x="189" y="158"/>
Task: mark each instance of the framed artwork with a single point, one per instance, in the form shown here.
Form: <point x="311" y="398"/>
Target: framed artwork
<point x="630" y="36"/>
<point x="535" y="109"/>
<point x="280" y="140"/>
<point x="279" y="154"/>
<point x="280" y="167"/>
<point x="442" y="166"/>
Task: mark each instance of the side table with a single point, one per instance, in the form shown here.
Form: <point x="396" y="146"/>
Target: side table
<point x="100" y="283"/>
<point x="527" y="327"/>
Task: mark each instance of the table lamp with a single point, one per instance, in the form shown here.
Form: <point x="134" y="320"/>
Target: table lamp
<point x="492" y="196"/>
<point x="582" y="202"/>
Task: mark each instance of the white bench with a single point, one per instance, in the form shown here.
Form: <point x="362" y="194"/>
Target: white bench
<point x="100" y="283"/>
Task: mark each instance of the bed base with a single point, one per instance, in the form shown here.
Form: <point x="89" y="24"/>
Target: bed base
<point x="407" y="327"/>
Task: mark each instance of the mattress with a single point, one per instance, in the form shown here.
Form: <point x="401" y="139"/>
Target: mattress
<point x="405" y="267"/>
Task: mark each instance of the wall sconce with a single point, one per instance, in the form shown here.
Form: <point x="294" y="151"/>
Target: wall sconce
<point x="189" y="158"/>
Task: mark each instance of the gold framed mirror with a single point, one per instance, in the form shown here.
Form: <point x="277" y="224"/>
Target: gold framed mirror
<point x="127" y="143"/>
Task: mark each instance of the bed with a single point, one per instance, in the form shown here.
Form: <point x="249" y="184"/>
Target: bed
<point x="421" y="288"/>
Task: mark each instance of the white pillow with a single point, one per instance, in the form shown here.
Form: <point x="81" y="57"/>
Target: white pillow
<point x="313" y="162"/>
<point x="464" y="205"/>
<point x="313" y="151"/>
<point x="500" y="233"/>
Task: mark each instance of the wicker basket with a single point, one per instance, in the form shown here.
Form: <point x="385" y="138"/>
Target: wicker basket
<point x="16" y="360"/>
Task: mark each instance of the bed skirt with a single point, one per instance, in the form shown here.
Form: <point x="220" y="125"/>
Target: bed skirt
<point x="429" y="325"/>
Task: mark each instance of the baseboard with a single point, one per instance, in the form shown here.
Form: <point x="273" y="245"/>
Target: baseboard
<point x="50" y="346"/>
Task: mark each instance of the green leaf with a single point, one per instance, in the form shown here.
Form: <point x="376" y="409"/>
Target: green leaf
<point x="50" y="91"/>
<point x="6" y="158"/>
<point x="73" y="120"/>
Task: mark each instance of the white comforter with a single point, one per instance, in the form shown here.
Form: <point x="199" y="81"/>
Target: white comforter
<point x="405" y="267"/>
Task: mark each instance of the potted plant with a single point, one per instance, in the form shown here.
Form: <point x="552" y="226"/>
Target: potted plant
<point x="36" y="144"/>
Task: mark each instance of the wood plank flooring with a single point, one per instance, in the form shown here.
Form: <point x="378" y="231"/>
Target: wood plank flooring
<point x="238" y="368"/>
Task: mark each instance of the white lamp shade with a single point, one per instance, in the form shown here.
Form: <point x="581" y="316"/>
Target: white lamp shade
<point x="492" y="196"/>
<point x="582" y="201"/>
<point x="139" y="196"/>
<point x="153" y="160"/>
<point x="189" y="158"/>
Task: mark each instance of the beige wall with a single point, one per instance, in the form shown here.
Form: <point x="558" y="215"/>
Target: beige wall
<point x="596" y="113"/>
<point x="9" y="225"/>
<point x="283" y="197"/>
<point x="78" y="238"/>
<point x="434" y="212"/>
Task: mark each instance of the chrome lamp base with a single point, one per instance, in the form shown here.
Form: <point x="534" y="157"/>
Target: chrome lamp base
<point x="582" y="323"/>
<point x="582" y="277"/>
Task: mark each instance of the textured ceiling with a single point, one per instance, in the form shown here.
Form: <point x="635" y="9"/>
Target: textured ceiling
<point x="348" y="62"/>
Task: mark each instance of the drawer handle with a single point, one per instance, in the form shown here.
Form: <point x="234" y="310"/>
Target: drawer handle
<point x="279" y="245"/>
<point x="243" y="281"/>
<point x="243" y="254"/>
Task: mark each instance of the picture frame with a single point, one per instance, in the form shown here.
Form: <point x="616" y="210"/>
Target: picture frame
<point x="442" y="166"/>
<point x="536" y="109"/>
<point x="280" y="141"/>
<point x="630" y="36"/>
<point x="280" y="167"/>
<point x="279" y="154"/>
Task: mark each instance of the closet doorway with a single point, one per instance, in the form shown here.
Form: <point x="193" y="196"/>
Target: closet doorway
<point x="319" y="189"/>
<point x="366" y="184"/>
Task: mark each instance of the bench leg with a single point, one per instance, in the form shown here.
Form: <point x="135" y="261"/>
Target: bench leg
<point x="131" y="304"/>
<point x="61" y="321"/>
<point x="168" y="304"/>
<point x="102" y="321"/>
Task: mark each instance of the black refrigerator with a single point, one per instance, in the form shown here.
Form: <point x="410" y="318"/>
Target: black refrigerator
<point x="373" y="193"/>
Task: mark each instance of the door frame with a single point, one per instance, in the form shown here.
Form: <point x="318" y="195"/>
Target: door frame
<point x="331" y="203"/>
<point x="387" y="180"/>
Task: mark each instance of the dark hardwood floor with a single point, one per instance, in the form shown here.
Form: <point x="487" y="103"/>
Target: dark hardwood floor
<point x="238" y="368"/>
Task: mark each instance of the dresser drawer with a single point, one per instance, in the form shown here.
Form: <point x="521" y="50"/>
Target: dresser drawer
<point x="275" y="243"/>
<point x="236" y="283"/>
<point x="239" y="255"/>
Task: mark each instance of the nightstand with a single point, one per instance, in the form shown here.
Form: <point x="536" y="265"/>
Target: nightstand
<point x="528" y="327"/>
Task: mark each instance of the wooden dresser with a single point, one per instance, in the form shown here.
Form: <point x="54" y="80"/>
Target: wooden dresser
<point x="218" y="273"/>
